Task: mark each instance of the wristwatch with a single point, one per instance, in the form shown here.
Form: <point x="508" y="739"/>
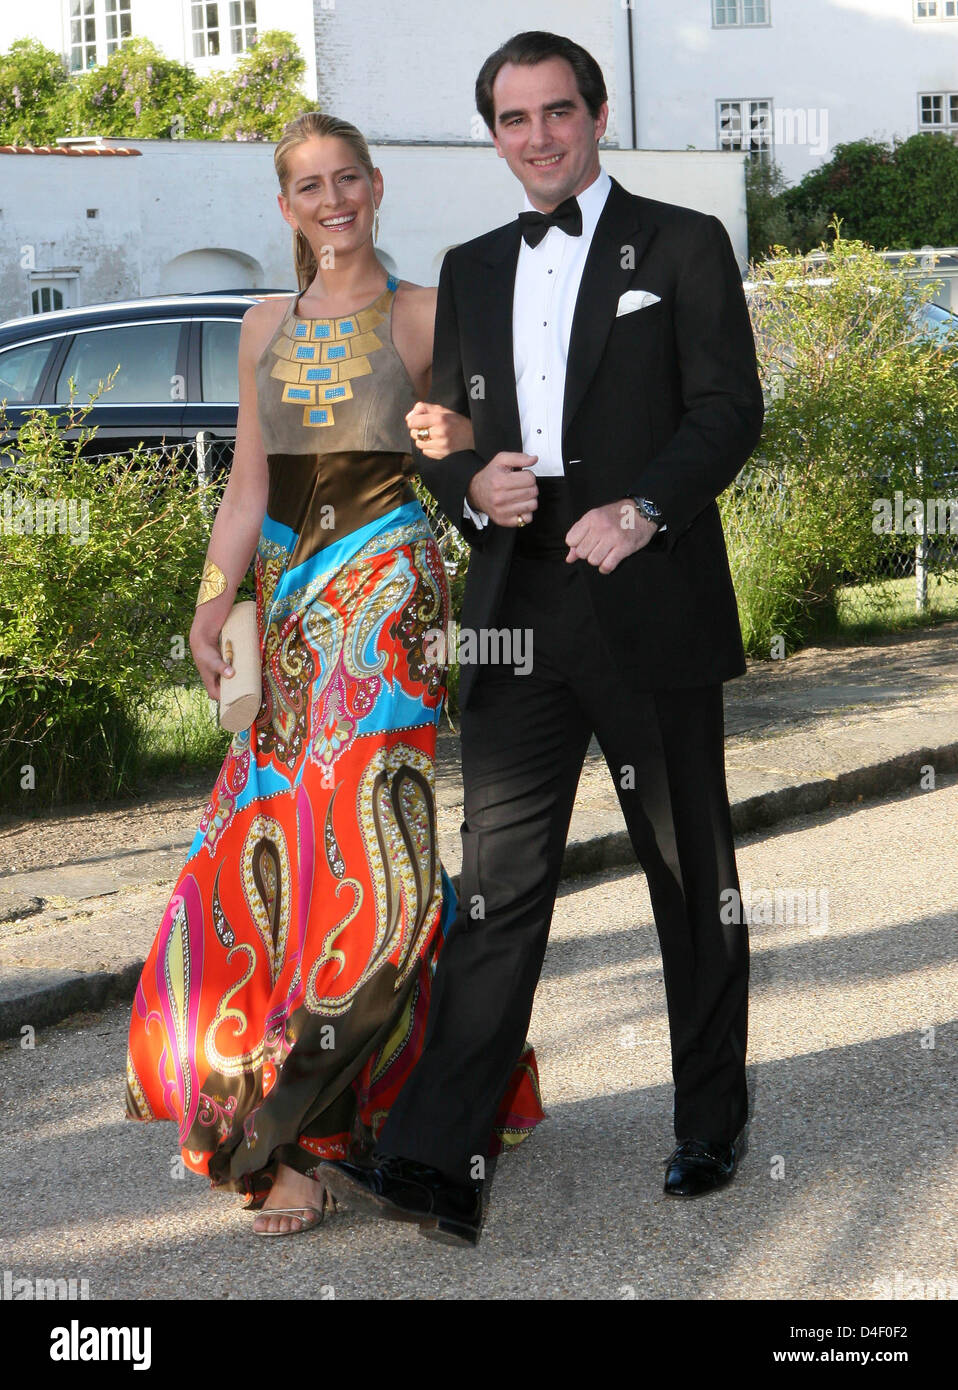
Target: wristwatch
<point x="646" y="508"/>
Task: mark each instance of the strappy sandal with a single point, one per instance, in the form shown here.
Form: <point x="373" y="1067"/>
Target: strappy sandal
<point x="329" y="1204"/>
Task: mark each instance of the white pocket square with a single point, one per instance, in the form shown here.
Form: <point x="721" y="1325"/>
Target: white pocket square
<point x="635" y="299"/>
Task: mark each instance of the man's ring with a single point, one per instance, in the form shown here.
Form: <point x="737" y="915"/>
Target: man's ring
<point x="423" y="433"/>
<point x="520" y="521"/>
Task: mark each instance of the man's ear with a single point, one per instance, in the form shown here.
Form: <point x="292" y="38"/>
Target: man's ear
<point x="601" y="121"/>
<point x="495" y="141"/>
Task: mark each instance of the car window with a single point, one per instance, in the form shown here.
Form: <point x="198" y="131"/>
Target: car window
<point x="20" y="371"/>
<point x="145" y="354"/>
<point x="219" y="358"/>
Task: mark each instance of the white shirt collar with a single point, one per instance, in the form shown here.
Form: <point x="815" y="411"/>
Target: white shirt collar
<point x="591" y="202"/>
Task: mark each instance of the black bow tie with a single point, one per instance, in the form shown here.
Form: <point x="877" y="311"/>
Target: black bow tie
<point x="567" y="217"/>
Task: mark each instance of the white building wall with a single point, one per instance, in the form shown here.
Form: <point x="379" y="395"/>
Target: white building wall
<point x="44" y="227"/>
<point x="190" y="215"/>
<point x="854" y="68"/>
<point x="408" y="72"/>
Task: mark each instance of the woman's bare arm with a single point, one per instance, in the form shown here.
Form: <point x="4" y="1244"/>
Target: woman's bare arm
<point x="239" y="519"/>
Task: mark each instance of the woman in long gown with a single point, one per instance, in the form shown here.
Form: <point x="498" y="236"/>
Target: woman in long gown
<point x="284" y="998"/>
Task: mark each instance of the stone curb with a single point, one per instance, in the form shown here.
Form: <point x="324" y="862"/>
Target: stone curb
<point x="81" y="992"/>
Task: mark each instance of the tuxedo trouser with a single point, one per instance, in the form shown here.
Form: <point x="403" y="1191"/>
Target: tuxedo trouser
<point x="524" y="739"/>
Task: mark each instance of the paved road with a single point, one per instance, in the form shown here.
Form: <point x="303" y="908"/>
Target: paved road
<point x="849" y="1184"/>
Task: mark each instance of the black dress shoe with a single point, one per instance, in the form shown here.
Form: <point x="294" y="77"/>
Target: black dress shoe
<point x="698" y="1166"/>
<point x="403" y="1190"/>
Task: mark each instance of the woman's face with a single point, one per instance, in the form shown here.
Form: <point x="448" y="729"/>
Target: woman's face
<point x="329" y="196"/>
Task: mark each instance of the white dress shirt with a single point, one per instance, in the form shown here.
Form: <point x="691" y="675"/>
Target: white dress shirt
<point x="543" y="304"/>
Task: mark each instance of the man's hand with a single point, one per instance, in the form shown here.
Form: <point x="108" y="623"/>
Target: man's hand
<point x="608" y="534"/>
<point x="504" y="490"/>
<point x="448" y="432"/>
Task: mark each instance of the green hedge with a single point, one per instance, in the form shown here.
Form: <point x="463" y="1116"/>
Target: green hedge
<point x="100" y="565"/>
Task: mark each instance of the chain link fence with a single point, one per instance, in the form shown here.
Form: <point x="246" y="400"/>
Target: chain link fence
<point x="914" y="570"/>
<point x="912" y="562"/>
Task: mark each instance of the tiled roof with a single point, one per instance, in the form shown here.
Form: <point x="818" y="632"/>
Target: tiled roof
<point x="72" y="150"/>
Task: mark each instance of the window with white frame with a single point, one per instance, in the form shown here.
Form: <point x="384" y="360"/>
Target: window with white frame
<point x="119" y="24"/>
<point x="242" y="25"/>
<point x="82" y="35"/>
<point x="96" y="28"/>
<point x="46" y="298"/>
<point x="212" y="18"/>
<point x="936" y="9"/>
<point x="745" y="125"/>
<point x="738" y="14"/>
<point x="52" y="289"/>
<point x="206" y="30"/>
<point x="938" y="111"/>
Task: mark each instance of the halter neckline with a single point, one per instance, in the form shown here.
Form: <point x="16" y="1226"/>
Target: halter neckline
<point x="392" y="285"/>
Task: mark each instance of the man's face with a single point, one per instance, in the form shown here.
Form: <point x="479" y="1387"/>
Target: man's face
<point x="544" y="132"/>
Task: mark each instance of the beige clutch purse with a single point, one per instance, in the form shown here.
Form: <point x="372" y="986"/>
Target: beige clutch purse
<point x="241" y="694"/>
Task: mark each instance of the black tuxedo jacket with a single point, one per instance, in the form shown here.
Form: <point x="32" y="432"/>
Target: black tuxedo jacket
<point x="664" y="402"/>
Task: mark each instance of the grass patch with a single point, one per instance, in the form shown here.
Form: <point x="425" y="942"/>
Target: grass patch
<point x="888" y="605"/>
<point x="180" y="734"/>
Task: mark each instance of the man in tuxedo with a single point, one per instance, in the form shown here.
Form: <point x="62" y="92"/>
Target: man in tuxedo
<point x="601" y="345"/>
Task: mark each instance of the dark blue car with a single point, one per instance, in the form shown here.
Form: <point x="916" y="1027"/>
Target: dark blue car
<point x="177" y="376"/>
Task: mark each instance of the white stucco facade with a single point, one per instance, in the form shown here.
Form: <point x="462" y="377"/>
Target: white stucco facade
<point x="187" y="215"/>
<point x="816" y="72"/>
<point x="832" y="71"/>
<point x="202" y="215"/>
<point x="408" y="72"/>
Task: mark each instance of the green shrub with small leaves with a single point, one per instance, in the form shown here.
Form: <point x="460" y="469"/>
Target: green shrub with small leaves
<point x="138" y="93"/>
<point x="860" y="403"/>
<point x="253" y="100"/>
<point x="899" y="195"/>
<point x="100" y="564"/>
<point x="35" y="92"/>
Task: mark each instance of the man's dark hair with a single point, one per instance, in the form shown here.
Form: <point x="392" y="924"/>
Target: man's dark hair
<point x="534" y="47"/>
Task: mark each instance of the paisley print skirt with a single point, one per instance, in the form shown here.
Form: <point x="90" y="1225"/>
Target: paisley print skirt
<point x="284" y="998"/>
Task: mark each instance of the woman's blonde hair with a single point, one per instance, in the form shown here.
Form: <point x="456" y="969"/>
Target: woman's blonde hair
<point x="306" y="127"/>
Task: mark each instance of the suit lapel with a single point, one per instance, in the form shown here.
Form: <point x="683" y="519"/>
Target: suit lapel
<point x="621" y="238"/>
<point x="492" y="324"/>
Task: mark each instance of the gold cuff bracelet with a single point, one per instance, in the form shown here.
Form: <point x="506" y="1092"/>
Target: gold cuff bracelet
<point x="212" y="584"/>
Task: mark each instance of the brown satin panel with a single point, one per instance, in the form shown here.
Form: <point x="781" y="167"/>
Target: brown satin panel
<point x="323" y="497"/>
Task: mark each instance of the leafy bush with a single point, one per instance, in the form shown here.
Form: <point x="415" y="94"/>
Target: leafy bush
<point x="898" y="195"/>
<point x="136" y="92"/>
<point x="771" y="221"/>
<point x="101" y="558"/>
<point x="34" y="94"/>
<point x="139" y="93"/>
<point x="859" y="404"/>
<point x="253" y="100"/>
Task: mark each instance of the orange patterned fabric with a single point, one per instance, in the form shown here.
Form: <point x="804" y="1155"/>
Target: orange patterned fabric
<point x="284" y="999"/>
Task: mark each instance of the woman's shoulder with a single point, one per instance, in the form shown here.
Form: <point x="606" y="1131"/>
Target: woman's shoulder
<point x="416" y="294"/>
<point x="416" y="301"/>
<point x="268" y="310"/>
<point x="261" y="320"/>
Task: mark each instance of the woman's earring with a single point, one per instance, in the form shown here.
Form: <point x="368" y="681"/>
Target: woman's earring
<point x="376" y="226"/>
